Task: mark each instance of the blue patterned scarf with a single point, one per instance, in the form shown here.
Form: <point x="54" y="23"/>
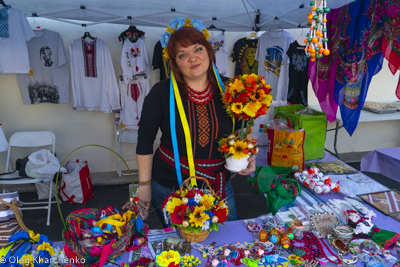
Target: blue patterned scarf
<point x="4" y="22"/>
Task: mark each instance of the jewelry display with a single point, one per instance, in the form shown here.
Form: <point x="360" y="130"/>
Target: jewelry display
<point x="323" y="223"/>
<point x="338" y="245"/>
<point x="343" y="232"/>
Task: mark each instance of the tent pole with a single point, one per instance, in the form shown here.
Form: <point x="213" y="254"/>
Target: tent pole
<point x="156" y="23"/>
<point x="251" y="4"/>
<point x="247" y="11"/>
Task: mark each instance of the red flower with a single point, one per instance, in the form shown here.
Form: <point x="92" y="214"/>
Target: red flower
<point x="221" y="214"/>
<point x="132" y="50"/>
<point x="190" y="194"/>
<point x="172" y="264"/>
<point x="178" y="215"/>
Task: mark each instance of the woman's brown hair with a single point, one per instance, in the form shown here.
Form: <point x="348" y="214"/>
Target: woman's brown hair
<point x="185" y="37"/>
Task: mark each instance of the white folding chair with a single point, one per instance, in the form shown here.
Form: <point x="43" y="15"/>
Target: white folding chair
<point x="29" y="140"/>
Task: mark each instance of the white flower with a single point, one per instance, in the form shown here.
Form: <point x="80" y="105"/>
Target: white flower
<point x="205" y="225"/>
<point x="197" y="198"/>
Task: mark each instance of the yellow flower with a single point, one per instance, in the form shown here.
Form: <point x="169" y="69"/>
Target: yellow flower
<point x="183" y="193"/>
<point x="251" y="108"/>
<point x="172" y="204"/>
<point x="208" y="201"/>
<point x="26" y="260"/>
<point x="267" y="101"/>
<point x="171" y="31"/>
<point x="165" y="53"/>
<point x="238" y="149"/>
<point x="46" y="246"/>
<point x="166" y="257"/>
<point x="187" y="23"/>
<point x="198" y="216"/>
<point x="33" y="236"/>
<point x="259" y="95"/>
<point x="237" y="108"/>
<point x="236" y="85"/>
<point x="206" y="34"/>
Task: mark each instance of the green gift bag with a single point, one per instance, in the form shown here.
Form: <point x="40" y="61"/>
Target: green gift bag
<point x="314" y="125"/>
<point x="273" y="181"/>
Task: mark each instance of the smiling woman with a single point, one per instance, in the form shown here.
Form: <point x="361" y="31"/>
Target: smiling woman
<point x="190" y="129"/>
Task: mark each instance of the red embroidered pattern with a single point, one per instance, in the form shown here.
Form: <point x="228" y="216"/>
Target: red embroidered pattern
<point x="89" y="58"/>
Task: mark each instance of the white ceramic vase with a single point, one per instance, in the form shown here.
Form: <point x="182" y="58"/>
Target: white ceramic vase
<point x="236" y="165"/>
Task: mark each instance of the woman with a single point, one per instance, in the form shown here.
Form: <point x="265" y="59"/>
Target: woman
<point x="191" y="58"/>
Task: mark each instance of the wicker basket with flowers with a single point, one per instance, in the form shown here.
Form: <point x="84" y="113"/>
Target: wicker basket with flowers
<point x="246" y="98"/>
<point x="196" y="212"/>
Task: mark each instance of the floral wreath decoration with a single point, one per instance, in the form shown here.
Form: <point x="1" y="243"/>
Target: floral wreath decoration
<point x="177" y="24"/>
<point x="24" y="255"/>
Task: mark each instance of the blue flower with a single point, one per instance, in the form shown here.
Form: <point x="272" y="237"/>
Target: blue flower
<point x="44" y="238"/>
<point x="19" y="236"/>
<point x="164" y="39"/>
<point x="198" y="25"/>
<point x="177" y="23"/>
<point x="211" y="214"/>
<point x="191" y="202"/>
<point x="43" y="259"/>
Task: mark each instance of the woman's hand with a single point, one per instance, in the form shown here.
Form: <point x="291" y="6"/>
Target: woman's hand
<point x="251" y="167"/>
<point x="144" y="195"/>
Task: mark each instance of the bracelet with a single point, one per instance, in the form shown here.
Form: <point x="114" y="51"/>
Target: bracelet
<point x="144" y="183"/>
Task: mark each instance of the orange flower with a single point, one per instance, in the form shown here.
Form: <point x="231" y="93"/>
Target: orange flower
<point x="251" y="82"/>
<point x="258" y="96"/>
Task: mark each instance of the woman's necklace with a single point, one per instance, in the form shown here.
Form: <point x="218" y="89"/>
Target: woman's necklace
<point x="200" y="97"/>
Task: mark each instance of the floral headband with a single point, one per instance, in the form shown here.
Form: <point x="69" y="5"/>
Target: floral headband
<point x="177" y="24"/>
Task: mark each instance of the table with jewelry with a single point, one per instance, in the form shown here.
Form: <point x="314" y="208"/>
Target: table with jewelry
<point x="239" y="236"/>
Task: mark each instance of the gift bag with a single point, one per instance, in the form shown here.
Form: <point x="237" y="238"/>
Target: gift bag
<point x="313" y="122"/>
<point x="285" y="145"/>
<point x="76" y="185"/>
<point x="259" y="131"/>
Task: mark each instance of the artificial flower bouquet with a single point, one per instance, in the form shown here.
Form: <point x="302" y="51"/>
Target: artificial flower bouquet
<point x="196" y="212"/>
<point x="246" y="98"/>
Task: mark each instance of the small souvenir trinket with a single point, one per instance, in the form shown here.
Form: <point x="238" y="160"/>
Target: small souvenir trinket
<point x="297" y="233"/>
<point x="326" y="189"/>
<point x="139" y="241"/>
<point x="285" y="241"/>
<point x="313" y="170"/>
<point x="86" y="233"/>
<point x="172" y="241"/>
<point x="317" y="189"/>
<point x="263" y="235"/>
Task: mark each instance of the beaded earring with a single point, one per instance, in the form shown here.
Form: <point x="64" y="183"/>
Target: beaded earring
<point x="317" y="40"/>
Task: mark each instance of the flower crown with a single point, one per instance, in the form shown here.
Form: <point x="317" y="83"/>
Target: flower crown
<point x="177" y="24"/>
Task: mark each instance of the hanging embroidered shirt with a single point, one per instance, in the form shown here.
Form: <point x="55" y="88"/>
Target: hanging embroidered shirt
<point x="298" y="74"/>
<point x="274" y="62"/>
<point x="4" y="22"/>
<point x="99" y="93"/>
<point x="134" y="60"/>
<point x="160" y="62"/>
<point x="221" y="53"/>
<point x="49" y="78"/>
<point x="132" y="97"/>
<point x="243" y="53"/>
<point x="14" y="53"/>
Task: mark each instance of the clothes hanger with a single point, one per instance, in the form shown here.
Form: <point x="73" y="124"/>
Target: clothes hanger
<point x="132" y="33"/>
<point x="87" y="35"/>
<point x="275" y="28"/>
<point x="297" y="40"/>
<point x="252" y="35"/>
<point x="212" y="27"/>
<point x="2" y="3"/>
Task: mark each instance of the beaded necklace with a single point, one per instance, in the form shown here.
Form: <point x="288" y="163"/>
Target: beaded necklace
<point x="313" y="248"/>
<point x="200" y="97"/>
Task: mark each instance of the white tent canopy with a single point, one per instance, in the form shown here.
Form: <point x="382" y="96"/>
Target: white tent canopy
<point x="231" y="15"/>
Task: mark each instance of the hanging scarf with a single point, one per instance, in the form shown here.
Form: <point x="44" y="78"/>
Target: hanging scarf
<point x="356" y="36"/>
<point x="391" y="38"/>
<point x="4" y="33"/>
<point x="175" y="95"/>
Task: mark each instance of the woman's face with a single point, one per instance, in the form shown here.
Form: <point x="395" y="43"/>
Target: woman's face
<point x="193" y="62"/>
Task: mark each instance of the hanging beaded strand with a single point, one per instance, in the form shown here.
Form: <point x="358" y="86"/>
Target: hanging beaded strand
<point x="200" y="97"/>
<point x="317" y="39"/>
